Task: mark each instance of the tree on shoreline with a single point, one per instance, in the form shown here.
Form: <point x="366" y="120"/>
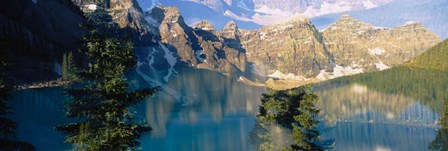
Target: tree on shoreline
<point x="293" y="113"/>
<point x="101" y="101"/>
<point x="441" y="140"/>
<point x="8" y="127"/>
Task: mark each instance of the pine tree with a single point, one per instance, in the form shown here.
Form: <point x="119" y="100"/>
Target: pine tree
<point x="441" y="140"/>
<point x="102" y="104"/>
<point x="69" y="68"/>
<point x="291" y="109"/>
<point x="305" y="133"/>
<point x="65" y="67"/>
<point x="8" y="127"/>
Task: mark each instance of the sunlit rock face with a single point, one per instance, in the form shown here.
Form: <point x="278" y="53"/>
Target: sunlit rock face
<point x="361" y="45"/>
<point x="200" y="46"/>
<point x="294" y="46"/>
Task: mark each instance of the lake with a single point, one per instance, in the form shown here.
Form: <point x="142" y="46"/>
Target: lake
<point x="397" y="109"/>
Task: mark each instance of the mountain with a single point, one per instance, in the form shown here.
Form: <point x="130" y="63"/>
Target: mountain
<point x="128" y="16"/>
<point x="294" y="46"/>
<point x="363" y="46"/>
<point x="293" y="49"/>
<point x="200" y="46"/>
<point x="250" y="14"/>
<point x="435" y="58"/>
<point x="430" y="13"/>
<point x="36" y="34"/>
<point x="296" y="50"/>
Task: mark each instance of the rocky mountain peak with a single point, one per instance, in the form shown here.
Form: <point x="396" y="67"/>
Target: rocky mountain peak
<point x="413" y="25"/>
<point x="359" y="45"/>
<point x="204" y="25"/>
<point x="297" y="18"/>
<point x="172" y="14"/>
<point x="348" y="23"/>
<point x="230" y="26"/>
<point x="230" y="31"/>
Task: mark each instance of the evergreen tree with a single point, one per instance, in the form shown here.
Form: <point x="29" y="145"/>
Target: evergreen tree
<point x="8" y="127"/>
<point x="441" y="140"/>
<point x="290" y="109"/>
<point x="305" y="133"/>
<point x="102" y="103"/>
<point x="69" y="68"/>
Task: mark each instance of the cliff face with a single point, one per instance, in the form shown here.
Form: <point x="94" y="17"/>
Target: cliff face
<point x="39" y="33"/>
<point x="129" y="17"/>
<point x="201" y="46"/>
<point x="36" y="34"/>
<point x="361" y="45"/>
<point x="294" y="46"/>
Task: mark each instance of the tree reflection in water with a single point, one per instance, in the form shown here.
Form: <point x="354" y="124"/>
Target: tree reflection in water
<point x="288" y="120"/>
<point x="441" y="140"/>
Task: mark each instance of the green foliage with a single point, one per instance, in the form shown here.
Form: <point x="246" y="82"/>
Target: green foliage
<point x="293" y="110"/>
<point x="305" y="133"/>
<point x="435" y="58"/>
<point x="69" y="68"/>
<point x="425" y="85"/>
<point x="8" y="127"/>
<point x="101" y="105"/>
<point x="441" y="140"/>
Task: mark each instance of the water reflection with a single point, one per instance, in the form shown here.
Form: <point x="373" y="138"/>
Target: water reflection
<point x="217" y="111"/>
<point x="37" y="112"/>
<point x="358" y="136"/>
<point x="204" y="110"/>
<point x="356" y="102"/>
<point x="395" y="109"/>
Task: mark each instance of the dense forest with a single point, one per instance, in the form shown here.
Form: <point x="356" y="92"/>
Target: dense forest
<point x="435" y="58"/>
<point x="425" y="85"/>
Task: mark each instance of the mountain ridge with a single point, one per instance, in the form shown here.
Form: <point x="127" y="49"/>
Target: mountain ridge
<point x="290" y="50"/>
<point x="435" y="58"/>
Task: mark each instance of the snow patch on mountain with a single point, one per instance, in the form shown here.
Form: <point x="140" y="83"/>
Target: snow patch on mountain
<point x="338" y="71"/>
<point x="381" y="66"/>
<point x="376" y="51"/>
<point x="279" y="75"/>
<point x="171" y="59"/>
<point x="410" y="23"/>
<point x="91" y="7"/>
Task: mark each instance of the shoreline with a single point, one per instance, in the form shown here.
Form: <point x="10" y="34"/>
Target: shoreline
<point x="41" y="85"/>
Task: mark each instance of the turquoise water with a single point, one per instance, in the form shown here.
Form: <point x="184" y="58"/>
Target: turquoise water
<point x="204" y="110"/>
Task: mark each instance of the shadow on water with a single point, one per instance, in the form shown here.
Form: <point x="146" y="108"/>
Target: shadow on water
<point x="37" y="112"/>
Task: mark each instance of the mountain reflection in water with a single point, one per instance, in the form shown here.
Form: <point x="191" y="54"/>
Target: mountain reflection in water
<point x="204" y="110"/>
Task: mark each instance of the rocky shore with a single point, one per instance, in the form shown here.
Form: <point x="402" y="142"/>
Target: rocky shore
<point x="46" y="84"/>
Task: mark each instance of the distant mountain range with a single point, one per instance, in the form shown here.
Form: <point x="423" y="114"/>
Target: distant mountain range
<point x="252" y="14"/>
<point x="431" y="13"/>
<point x="293" y="49"/>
